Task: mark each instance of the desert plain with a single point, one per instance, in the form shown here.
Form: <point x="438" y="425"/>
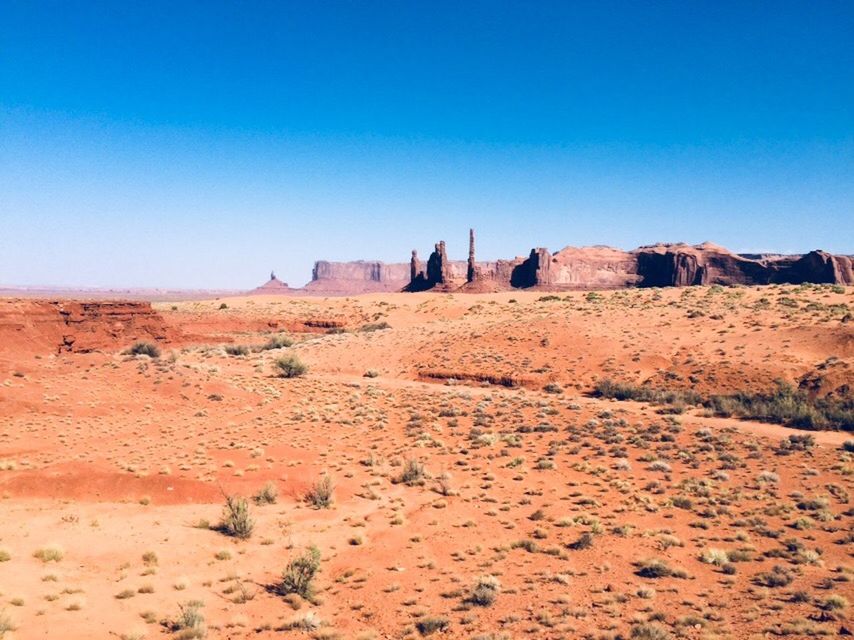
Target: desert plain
<point x="444" y="467"/>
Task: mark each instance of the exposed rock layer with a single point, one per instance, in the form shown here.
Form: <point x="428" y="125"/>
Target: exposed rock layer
<point x="41" y="326"/>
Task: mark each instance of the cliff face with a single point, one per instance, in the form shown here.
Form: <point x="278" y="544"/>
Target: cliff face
<point x="662" y="265"/>
<point x="349" y="278"/>
<point x="43" y="326"/>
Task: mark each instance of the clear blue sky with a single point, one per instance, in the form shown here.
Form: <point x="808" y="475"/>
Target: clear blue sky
<point x="184" y="144"/>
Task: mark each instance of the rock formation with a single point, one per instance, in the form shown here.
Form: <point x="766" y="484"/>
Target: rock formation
<point x="471" y="269"/>
<point x="43" y="326"/>
<point x="661" y="265"/>
<point x="349" y="278"/>
<point x="272" y="287"/>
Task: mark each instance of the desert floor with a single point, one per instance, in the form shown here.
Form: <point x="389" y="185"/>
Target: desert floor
<point x="577" y="516"/>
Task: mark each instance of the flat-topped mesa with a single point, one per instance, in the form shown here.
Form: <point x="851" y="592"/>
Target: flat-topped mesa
<point x="361" y="276"/>
<point x="661" y="265"/>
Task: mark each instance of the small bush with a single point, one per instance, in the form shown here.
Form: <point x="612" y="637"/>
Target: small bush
<point x="237" y="349"/>
<point x="145" y="349"/>
<point x="485" y="591"/>
<point x="51" y="553"/>
<point x="290" y="367"/>
<point x="320" y="493"/>
<point x="267" y="495"/>
<point x="376" y="326"/>
<point x="649" y="631"/>
<point x="777" y="577"/>
<point x="432" y="624"/>
<point x="277" y="342"/>
<point x="236" y="521"/>
<point x="298" y="576"/>
<point x="658" y="569"/>
<point x="190" y="623"/>
<point x="413" y="473"/>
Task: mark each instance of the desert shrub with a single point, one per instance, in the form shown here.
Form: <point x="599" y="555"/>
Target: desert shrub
<point x="658" y="569"/>
<point x="280" y="341"/>
<point x="190" y="623"/>
<point x="320" y="493"/>
<point x="848" y="446"/>
<point x="609" y="389"/>
<point x="144" y="349"/>
<point x="553" y="387"/>
<point x="717" y="557"/>
<point x="371" y="373"/>
<point x="236" y="520"/>
<point x="6" y="625"/>
<point x="237" y="349"/>
<point x="223" y="306"/>
<point x="485" y="591"/>
<point x="376" y="326"/>
<point x="298" y="576"/>
<point x="50" y="553"/>
<point x="585" y="541"/>
<point x="777" y="577"/>
<point x="432" y="624"/>
<point x="290" y="367"/>
<point x="649" y="631"/>
<point x="413" y="473"/>
<point x="784" y="405"/>
<point x="268" y="494"/>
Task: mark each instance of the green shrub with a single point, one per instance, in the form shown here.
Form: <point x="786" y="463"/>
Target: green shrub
<point x="144" y="349"/>
<point x="290" y="367"/>
<point x="236" y="520"/>
<point x="298" y="576"/>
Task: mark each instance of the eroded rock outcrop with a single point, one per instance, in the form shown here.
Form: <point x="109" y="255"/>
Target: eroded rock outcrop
<point x="661" y="265"/>
<point x="43" y="326"/>
<point x="349" y="278"/>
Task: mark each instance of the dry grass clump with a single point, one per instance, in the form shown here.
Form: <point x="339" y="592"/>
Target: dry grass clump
<point x="50" y="553"/>
<point x="320" y="493"/>
<point x="268" y="494"/>
<point x="190" y="623"/>
<point x="413" y="474"/>
<point x="281" y="341"/>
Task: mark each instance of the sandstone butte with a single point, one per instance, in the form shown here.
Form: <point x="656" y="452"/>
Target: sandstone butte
<point x="573" y="268"/>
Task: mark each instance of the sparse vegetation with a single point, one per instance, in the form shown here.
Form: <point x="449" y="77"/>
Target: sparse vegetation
<point x="298" y="577"/>
<point x="236" y="520"/>
<point x="145" y="349"/>
<point x="290" y="367"/>
<point x="320" y="493"/>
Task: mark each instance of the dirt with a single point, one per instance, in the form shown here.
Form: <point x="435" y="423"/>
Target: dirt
<point x="110" y="457"/>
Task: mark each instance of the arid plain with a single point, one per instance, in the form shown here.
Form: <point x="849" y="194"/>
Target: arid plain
<point x="448" y="458"/>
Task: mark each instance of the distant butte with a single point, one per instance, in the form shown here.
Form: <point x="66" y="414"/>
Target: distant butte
<point x="573" y="268"/>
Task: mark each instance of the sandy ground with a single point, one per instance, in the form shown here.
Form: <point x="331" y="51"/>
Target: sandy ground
<point x="116" y="462"/>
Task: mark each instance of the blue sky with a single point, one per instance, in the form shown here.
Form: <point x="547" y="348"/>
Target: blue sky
<point x="182" y="144"/>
